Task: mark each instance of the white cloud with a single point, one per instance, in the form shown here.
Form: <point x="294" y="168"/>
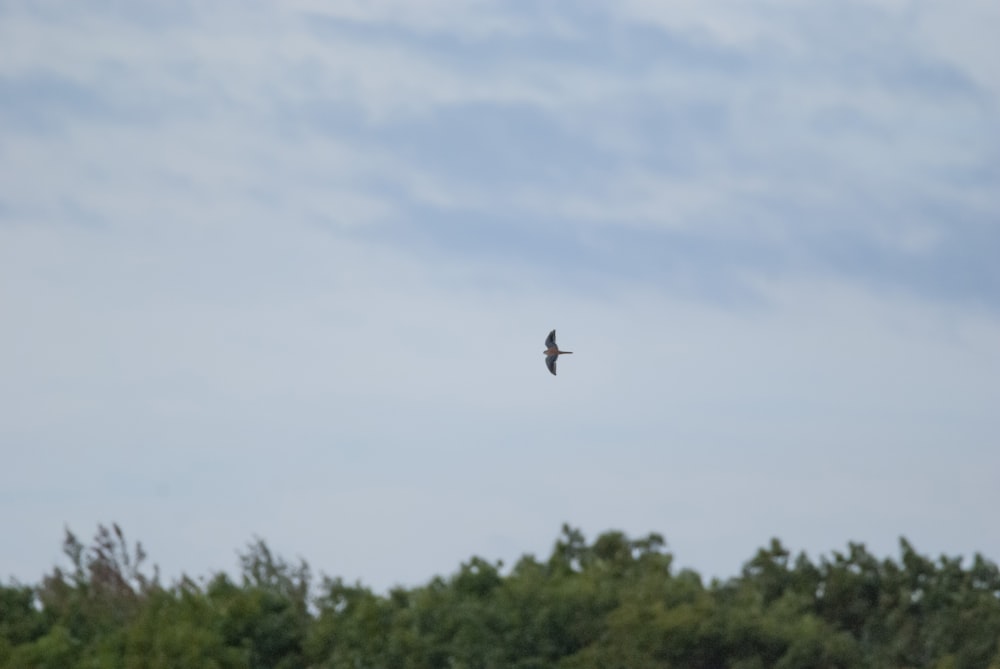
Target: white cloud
<point x="475" y="19"/>
<point x="220" y="312"/>
<point x="962" y="33"/>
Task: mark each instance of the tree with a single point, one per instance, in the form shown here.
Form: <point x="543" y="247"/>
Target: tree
<point x="613" y="602"/>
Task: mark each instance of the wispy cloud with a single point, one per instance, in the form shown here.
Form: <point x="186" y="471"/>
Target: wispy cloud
<point x="310" y="248"/>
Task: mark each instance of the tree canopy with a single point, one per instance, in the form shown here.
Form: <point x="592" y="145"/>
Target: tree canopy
<point x="615" y="602"/>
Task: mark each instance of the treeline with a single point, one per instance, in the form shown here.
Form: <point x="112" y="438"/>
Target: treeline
<point x="614" y="603"/>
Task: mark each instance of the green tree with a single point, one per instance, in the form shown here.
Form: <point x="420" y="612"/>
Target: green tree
<point x="20" y="620"/>
<point x="268" y="615"/>
<point x="614" y="602"/>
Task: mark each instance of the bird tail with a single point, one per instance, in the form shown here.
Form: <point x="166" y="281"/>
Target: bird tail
<point x="566" y="352"/>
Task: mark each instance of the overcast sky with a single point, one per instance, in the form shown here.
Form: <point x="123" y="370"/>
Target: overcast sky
<point x="286" y="270"/>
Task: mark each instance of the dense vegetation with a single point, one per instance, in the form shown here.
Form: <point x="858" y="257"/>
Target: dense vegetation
<point x="616" y="602"/>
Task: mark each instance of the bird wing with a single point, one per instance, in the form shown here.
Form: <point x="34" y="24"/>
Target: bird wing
<point x="550" y="341"/>
<point x="550" y="362"/>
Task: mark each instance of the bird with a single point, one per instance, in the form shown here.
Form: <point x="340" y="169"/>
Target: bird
<point x="552" y="352"/>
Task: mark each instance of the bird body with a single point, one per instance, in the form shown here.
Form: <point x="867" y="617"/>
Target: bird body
<point x="552" y="352"/>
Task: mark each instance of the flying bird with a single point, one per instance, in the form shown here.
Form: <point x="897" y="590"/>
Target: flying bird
<point x="552" y="352"/>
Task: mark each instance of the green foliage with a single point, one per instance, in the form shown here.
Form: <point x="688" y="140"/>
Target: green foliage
<point x="20" y="621"/>
<point x="55" y="650"/>
<point x="615" y="602"/>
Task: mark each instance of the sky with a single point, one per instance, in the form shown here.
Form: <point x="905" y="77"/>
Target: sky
<point x="285" y="270"/>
